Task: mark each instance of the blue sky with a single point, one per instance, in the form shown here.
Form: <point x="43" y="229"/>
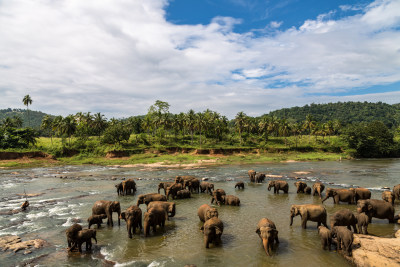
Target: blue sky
<point x="118" y="57"/>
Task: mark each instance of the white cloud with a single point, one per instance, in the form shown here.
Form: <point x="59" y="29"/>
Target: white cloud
<point x="118" y="57"/>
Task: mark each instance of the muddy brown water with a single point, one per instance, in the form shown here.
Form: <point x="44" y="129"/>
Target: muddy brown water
<point x="69" y="192"/>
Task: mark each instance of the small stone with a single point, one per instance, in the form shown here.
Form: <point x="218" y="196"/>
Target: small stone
<point x="27" y="252"/>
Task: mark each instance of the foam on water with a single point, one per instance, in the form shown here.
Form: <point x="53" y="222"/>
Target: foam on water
<point x="33" y="216"/>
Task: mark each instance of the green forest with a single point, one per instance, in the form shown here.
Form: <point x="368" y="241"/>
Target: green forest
<point x="359" y="129"/>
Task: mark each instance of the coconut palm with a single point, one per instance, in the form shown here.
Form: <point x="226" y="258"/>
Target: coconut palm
<point x="240" y="122"/>
<point x="190" y="123"/>
<point x="284" y="129"/>
<point x="68" y="126"/>
<point x="27" y="100"/>
<point x="200" y="123"/>
<point x="99" y="123"/>
<point x="263" y="126"/>
<point x="47" y="124"/>
<point x="309" y="124"/>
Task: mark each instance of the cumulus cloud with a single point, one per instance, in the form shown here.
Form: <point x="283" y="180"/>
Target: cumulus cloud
<point x="117" y="57"/>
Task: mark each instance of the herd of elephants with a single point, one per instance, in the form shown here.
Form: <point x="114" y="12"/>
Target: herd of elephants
<point x="159" y="209"/>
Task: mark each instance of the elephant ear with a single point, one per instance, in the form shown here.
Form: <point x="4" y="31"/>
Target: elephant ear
<point x="275" y="232"/>
<point x="296" y="210"/>
<point x="334" y="193"/>
<point x="258" y="231"/>
<point x="218" y="231"/>
<point x="122" y="215"/>
<point x="370" y="207"/>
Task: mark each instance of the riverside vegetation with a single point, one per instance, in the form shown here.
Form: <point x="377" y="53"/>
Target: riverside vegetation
<point x="160" y="136"/>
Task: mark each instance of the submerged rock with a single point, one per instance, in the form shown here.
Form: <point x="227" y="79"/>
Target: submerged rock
<point x="15" y="243"/>
<point x="376" y="251"/>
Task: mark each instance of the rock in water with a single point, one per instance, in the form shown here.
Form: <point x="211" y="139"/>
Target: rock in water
<point x="14" y="243"/>
<point x="376" y="251"/>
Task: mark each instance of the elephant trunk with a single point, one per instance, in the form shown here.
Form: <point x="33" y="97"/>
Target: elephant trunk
<point x="172" y="212"/>
<point x="291" y="220"/>
<point x="325" y="198"/>
<point x="206" y="241"/>
<point x="266" y="246"/>
<point x="269" y="188"/>
<point x="146" y="228"/>
<point x="119" y="215"/>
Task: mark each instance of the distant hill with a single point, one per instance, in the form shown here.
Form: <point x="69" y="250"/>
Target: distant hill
<point x="35" y="116"/>
<point x="345" y="112"/>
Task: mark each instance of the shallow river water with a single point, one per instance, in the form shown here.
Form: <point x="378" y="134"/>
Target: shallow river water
<point x="69" y="192"/>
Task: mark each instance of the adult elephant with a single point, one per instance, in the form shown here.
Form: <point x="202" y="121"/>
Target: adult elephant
<point x="183" y="179"/>
<point x="152" y="218"/>
<point x="206" y="187"/>
<point x="216" y="196"/>
<point x="260" y="177"/>
<point x="388" y="196"/>
<point x="230" y="200"/>
<point x="266" y="230"/>
<point x="376" y="208"/>
<point x="343" y="195"/>
<point x="344" y="239"/>
<point x="169" y="207"/>
<point x="318" y="188"/>
<point x="147" y="198"/>
<point x="119" y="189"/>
<point x="396" y="192"/>
<point x="361" y="193"/>
<point x="205" y="212"/>
<point x="107" y="207"/>
<point x="212" y="230"/>
<point x="85" y="236"/>
<point x="164" y="185"/>
<point x="173" y="190"/>
<point x="344" y="217"/>
<point x="133" y="219"/>
<point x="72" y="233"/>
<point x="301" y="186"/>
<point x="309" y="212"/>
<point x="278" y="185"/>
<point x="252" y="175"/>
<point x="193" y="185"/>
<point x="128" y="187"/>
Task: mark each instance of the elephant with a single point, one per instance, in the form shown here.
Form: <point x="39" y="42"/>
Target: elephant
<point x="239" y="185"/>
<point x="260" y="177"/>
<point x="85" y="236"/>
<point x="212" y="230"/>
<point x="388" y="196"/>
<point x="128" y="187"/>
<point x="216" y="195"/>
<point x="326" y="237"/>
<point x="343" y="195"/>
<point x="193" y="185"/>
<point x="164" y="186"/>
<point x="266" y="230"/>
<point x="173" y="190"/>
<point x="396" y="192"/>
<point x="107" y="208"/>
<point x="376" y="208"/>
<point x="205" y="212"/>
<point x="252" y="175"/>
<point x="344" y="217"/>
<point x="361" y="193"/>
<point x="206" y="186"/>
<point x="307" y="190"/>
<point x="278" y="185"/>
<point x="119" y="189"/>
<point x="153" y="217"/>
<point x="300" y="185"/>
<point x="230" y="200"/>
<point x="169" y="207"/>
<point x="318" y="189"/>
<point x="96" y="219"/>
<point x="182" y="179"/>
<point x="72" y="233"/>
<point x="147" y="198"/>
<point x="184" y="193"/>
<point x="362" y="223"/>
<point x="133" y="219"/>
<point x="309" y="212"/>
<point x="344" y="239"/>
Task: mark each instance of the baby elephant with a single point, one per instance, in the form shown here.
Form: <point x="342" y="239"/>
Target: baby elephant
<point x="230" y="200"/>
<point x="85" y="236"/>
<point x="96" y="219"/>
<point x="307" y="190"/>
<point x="183" y="194"/>
<point x="344" y="239"/>
<point x="212" y="230"/>
<point x="362" y="223"/>
<point x="266" y="230"/>
<point x="239" y="185"/>
<point x="326" y="237"/>
<point x="205" y="212"/>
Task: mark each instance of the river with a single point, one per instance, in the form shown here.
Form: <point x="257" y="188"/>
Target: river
<point x="69" y="192"/>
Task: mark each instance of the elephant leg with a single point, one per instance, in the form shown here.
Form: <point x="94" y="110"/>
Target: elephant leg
<point x="304" y="223"/>
<point x="355" y="228"/>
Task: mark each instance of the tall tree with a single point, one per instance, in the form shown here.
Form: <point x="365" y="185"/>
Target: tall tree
<point x="99" y="123"/>
<point x="240" y="122"/>
<point x="47" y="124"/>
<point x="27" y="100"/>
<point x="190" y="123"/>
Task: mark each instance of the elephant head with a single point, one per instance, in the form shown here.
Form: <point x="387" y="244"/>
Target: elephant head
<point x="364" y="206"/>
<point x="122" y="216"/>
<point x="140" y="200"/>
<point x="213" y="212"/>
<point x="330" y="192"/>
<point x="171" y="210"/>
<point x="300" y="186"/>
<point x="294" y="211"/>
<point x="268" y="235"/>
<point x="210" y="234"/>
<point x="115" y="207"/>
<point x="270" y="185"/>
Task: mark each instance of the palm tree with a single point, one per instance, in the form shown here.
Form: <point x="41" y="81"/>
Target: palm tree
<point x="296" y="130"/>
<point x="284" y="129"/>
<point x="240" y="122"/>
<point x="99" y="123"/>
<point x="263" y="126"/>
<point x="27" y="100"/>
<point x="68" y="126"/>
<point x="200" y="123"/>
<point x="17" y="121"/>
<point x="190" y="123"/>
<point x="309" y="124"/>
<point x="47" y="124"/>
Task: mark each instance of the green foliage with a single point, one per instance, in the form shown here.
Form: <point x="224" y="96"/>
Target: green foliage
<point x="17" y="138"/>
<point x="372" y="140"/>
<point x="115" y="134"/>
<point x="35" y="117"/>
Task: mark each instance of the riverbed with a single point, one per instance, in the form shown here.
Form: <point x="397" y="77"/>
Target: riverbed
<point x="68" y="193"/>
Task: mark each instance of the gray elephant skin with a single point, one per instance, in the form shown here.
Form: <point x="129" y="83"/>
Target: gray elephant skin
<point x="107" y="207"/>
<point x="268" y="234"/>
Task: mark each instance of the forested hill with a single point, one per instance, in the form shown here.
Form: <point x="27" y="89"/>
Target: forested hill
<point x="35" y="117"/>
<point x="345" y="112"/>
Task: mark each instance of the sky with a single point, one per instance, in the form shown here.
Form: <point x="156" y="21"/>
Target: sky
<point x="118" y="57"/>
